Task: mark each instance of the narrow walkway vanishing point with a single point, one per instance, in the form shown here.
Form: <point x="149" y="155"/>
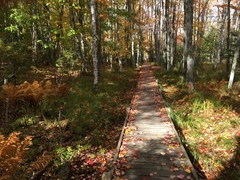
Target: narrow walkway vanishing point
<point x="150" y="147"/>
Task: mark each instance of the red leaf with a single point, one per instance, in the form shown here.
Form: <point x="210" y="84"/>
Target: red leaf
<point x="90" y="162"/>
<point x="202" y="149"/>
<point x="228" y="151"/>
<point x="181" y="176"/>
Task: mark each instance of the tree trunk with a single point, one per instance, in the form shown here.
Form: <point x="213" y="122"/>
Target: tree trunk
<point x="234" y="64"/>
<point x="156" y="33"/>
<point x="236" y="23"/>
<point x="94" y="47"/>
<point x="132" y="45"/>
<point x="228" y="37"/>
<point x="173" y="35"/>
<point x="166" y="36"/>
<point x="99" y="35"/>
<point x="82" y="45"/>
<point x="188" y="32"/>
<point x="58" y="45"/>
<point x="220" y="41"/>
<point x="34" y="32"/>
<point x="200" y="30"/>
<point x="119" y="41"/>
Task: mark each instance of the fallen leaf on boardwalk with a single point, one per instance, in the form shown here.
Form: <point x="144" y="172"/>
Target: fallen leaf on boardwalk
<point x="128" y="166"/>
<point x="124" y="160"/>
<point x="172" y="176"/>
<point x="153" y="173"/>
<point x="134" y="155"/>
<point x="162" y="153"/>
<point x="188" y="169"/>
<point x="176" y="169"/>
<point x="181" y="176"/>
<point x="180" y="153"/>
<point x="117" y="172"/>
<point x="172" y="168"/>
<point x="163" y="164"/>
<point x="122" y="173"/>
<point x="122" y="153"/>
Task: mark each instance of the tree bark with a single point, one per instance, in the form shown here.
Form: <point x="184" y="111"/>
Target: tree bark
<point x="234" y="64"/>
<point x="173" y="36"/>
<point x="156" y="32"/>
<point x="94" y="46"/>
<point x="220" y="41"/>
<point x="188" y="49"/>
<point x="228" y="37"/>
<point x="119" y="41"/>
<point x="34" y="32"/>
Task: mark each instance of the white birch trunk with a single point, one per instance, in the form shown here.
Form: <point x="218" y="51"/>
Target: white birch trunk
<point x="94" y="46"/>
<point x="119" y="43"/>
<point x="234" y="64"/>
<point x="34" y="33"/>
<point x="220" y="42"/>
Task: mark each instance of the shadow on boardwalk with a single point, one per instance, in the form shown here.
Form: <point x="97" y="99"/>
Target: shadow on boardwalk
<point x="150" y="147"/>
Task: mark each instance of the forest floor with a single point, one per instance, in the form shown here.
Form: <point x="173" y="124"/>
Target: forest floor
<point x="207" y="119"/>
<point x="53" y="130"/>
<point x="62" y="131"/>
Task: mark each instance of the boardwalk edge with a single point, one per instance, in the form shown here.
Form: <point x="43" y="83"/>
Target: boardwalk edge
<point x="193" y="170"/>
<point x="128" y="108"/>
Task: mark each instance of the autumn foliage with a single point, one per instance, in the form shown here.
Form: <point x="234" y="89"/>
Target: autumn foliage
<point x="33" y="92"/>
<point x="13" y="153"/>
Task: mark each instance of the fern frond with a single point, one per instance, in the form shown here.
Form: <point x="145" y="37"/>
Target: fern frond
<point x="40" y="164"/>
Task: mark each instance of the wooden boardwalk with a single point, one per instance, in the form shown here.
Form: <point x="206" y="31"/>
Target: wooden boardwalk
<point x="150" y="147"/>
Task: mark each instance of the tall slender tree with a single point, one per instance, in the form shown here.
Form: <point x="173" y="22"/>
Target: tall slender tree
<point x="94" y="46"/>
<point x="234" y="64"/>
<point x="119" y="40"/>
<point x="157" y="26"/>
<point x="34" y="30"/>
<point x="188" y="47"/>
<point x="228" y="35"/>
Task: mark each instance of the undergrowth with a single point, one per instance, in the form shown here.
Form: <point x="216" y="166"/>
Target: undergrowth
<point x="70" y="132"/>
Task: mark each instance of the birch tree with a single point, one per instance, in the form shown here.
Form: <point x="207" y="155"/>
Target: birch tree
<point x="119" y="40"/>
<point x="234" y="63"/>
<point x="94" y="46"/>
<point x="34" y="31"/>
<point x="220" y="40"/>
